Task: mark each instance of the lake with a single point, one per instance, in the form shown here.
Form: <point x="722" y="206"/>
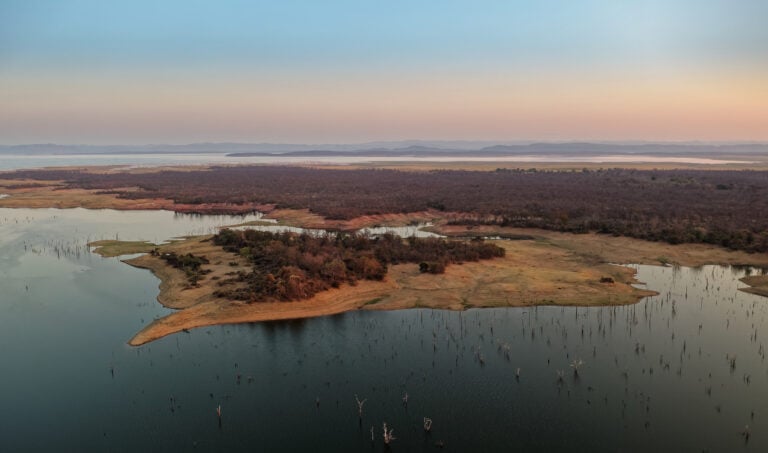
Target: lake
<point x="683" y="371"/>
<point x="19" y="161"/>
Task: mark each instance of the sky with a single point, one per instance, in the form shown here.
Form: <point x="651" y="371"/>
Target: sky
<point x="332" y="71"/>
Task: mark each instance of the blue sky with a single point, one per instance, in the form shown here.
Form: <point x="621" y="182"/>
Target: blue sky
<point x="52" y="52"/>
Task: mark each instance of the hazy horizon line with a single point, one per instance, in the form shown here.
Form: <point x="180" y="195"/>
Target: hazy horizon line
<point x="518" y="142"/>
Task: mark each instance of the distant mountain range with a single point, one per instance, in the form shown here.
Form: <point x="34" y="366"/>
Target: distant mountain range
<point x="266" y="148"/>
<point x="403" y="148"/>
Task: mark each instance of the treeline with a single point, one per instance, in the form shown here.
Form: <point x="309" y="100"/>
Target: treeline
<point x="747" y="239"/>
<point x="724" y="207"/>
<point x="290" y="266"/>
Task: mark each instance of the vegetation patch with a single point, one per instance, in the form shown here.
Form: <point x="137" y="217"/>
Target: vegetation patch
<point x="374" y="301"/>
<point x="111" y="248"/>
<point x="728" y="208"/>
<point x="289" y="266"/>
<point x="189" y="263"/>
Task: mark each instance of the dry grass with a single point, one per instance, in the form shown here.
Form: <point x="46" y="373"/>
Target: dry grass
<point x="621" y="250"/>
<point x="758" y="284"/>
<point x="52" y="194"/>
<point x="306" y="219"/>
<point x="110" y="248"/>
<point x="532" y="273"/>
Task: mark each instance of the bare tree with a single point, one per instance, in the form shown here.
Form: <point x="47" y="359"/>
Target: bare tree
<point x="360" y="406"/>
<point x="745" y="433"/>
<point x="576" y="364"/>
<point x="388" y="434"/>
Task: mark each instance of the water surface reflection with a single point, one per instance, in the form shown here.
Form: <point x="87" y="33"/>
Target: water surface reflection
<point x="684" y="370"/>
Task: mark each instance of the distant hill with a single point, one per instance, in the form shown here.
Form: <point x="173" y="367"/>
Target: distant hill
<point x="561" y="149"/>
<point x="403" y="148"/>
<point x="255" y="148"/>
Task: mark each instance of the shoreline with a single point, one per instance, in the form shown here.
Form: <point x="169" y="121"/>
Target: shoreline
<point x="757" y="284"/>
<point x="516" y="280"/>
<point x="546" y="268"/>
<point x="542" y="267"/>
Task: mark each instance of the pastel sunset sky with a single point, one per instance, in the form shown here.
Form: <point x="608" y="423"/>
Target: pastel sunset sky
<point x="350" y="71"/>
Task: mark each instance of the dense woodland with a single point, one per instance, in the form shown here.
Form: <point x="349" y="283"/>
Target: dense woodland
<point x="728" y="208"/>
<point x="290" y="266"/>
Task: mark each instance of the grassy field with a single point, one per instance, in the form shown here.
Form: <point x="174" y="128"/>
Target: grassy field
<point x="110" y="248"/>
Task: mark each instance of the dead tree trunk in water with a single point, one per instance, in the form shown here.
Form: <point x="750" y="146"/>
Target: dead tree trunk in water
<point x="360" y="406"/>
<point x="576" y="364"/>
<point x="388" y="435"/>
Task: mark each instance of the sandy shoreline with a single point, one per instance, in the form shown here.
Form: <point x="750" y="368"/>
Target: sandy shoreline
<point x="548" y="269"/>
<point x="532" y="273"/>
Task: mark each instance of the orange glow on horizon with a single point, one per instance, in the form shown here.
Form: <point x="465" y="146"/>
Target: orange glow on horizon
<point x="289" y="107"/>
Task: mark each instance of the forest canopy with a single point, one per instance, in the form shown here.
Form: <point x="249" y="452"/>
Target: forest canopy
<point x="723" y="207"/>
<point x="289" y="266"/>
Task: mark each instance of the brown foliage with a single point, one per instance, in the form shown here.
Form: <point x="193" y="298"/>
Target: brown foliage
<point x="727" y="208"/>
<point x="289" y="266"/>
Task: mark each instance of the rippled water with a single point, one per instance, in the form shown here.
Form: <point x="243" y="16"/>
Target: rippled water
<point x="684" y="370"/>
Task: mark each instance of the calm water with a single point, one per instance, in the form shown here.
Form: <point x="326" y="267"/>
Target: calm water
<point x="15" y="162"/>
<point x="403" y="231"/>
<point x="658" y="375"/>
